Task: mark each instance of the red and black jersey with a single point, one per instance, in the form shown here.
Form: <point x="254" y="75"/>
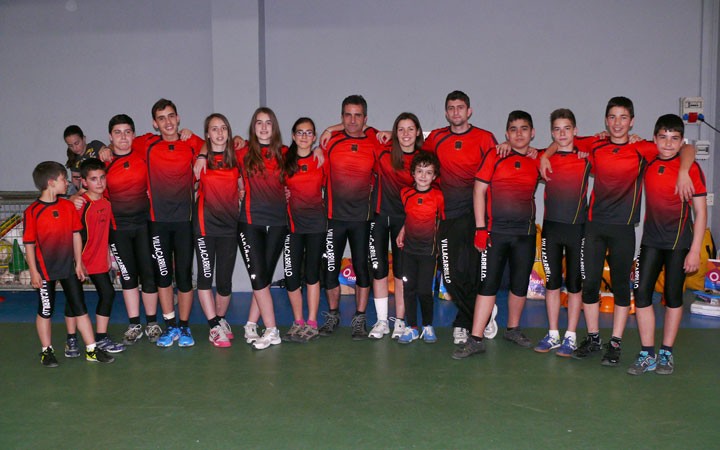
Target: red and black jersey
<point x="391" y="181"/>
<point x="618" y="170"/>
<point x="264" y="202"/>
<point x="668" y="222"/>
<point x="170" y="175"/>
<point x="352" y="165"/>
<point x="50" y="226"/>
<point x="510" y="201"/>
<point x="96" y="217"/>
<point x="423" y="211"/>
<point x="217" y="208"/>
<point x="460" y="157"/>
<point x="306" y="206"/>
<point x="127" y="185"/>
<point x="566" y="191"/>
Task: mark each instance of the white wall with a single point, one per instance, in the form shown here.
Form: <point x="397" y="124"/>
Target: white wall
<point x="60" y="67"/>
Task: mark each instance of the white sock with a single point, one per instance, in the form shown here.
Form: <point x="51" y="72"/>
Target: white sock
<point x="248" y="323"/>
<point x="555" y="334"/>
<point x="571" y="334"/>
<point x="90" y="348"/>
<point x="169" y="316"/>
<point x="381" y="308"/>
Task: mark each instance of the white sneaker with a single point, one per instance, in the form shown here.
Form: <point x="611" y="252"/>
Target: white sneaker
<point x="379" y="330"/>
<point x="399" y="328"/>
<point x="251" y="334"/>
<point x="226" y="328"/>
<point x="460" y="335"/>
<point x="218" y="337"/>
<point x="491" y="329"/>
<point x="270" y="337"/>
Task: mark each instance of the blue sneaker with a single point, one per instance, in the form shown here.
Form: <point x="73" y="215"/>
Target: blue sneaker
<point x="547" y="343"/>
<point x="567" y="347"/>
<point x="186" y="339"/>
<point x="410" y="334"/>
<point x="643" y="363"/>
<point x="170" y="335"/>
<point x="428" y="335"/>
<point x="666" y="364"/>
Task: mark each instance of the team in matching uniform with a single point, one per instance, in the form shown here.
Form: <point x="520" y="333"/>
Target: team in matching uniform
<point x="370" y="189"/>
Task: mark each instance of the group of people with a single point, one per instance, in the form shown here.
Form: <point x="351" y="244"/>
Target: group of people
<point x="157" y="199"/>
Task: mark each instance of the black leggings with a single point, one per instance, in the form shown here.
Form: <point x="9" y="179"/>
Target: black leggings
<point x="172" y="242"/>
<point x="619" y="243"/>
<point x="339" y="232"/>
<point x="74" y="298"/>
<point x="215" y="256"/>
<point x="106" y="293"/>
<point x="459" y="262"/>
<point x="299" y="248"/>
<point x="380" y="229"/>
<point x="559" y="238"/>
<point x="650" y="263"/>
<point x="418" y="274"/>
<point x="260" y="247"/>
<point x="131" y="249"/>
<point x="519" y="250"/>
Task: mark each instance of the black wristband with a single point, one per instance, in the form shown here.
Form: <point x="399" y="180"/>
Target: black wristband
<point x="202" y="156"/>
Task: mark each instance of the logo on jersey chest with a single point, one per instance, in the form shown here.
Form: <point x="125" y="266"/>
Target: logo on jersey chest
<point x="420" y="201"/>
<point x="56" y="214"/>
<point x="126" y="165"/>
<point x="171" y="147"/>
<point x="458" y="145"/>
<point x="304" y="168"/>
<point x="517" y="165"/>
<point x="354" y="148"/>
<point x="661" y="170"/>
<point x="616" y="150"/>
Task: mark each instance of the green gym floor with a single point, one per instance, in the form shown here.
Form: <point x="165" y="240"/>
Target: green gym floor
<point x="338" y="393"/>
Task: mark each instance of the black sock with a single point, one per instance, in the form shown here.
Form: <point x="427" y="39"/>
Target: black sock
<point x="135" y="320"/>
<point x="477" y="339"/>
<point x="100" y="336"/>
<point x="335" y="310"/>
<point x="513" y="328"/>
<point x="595" y="337"/>
<point x="184" y="323"/>
<point x="72" y="336"/>
<point x="615" y="341"/>
<point x="171" y="322"/>
<point x="666" y="348"/>
<point x="220" y="317"/>
<point x="150" y="318"/>
<point x="649" y="350"/>
<point x="357" y="313"/>
<point x="215" y="321"/>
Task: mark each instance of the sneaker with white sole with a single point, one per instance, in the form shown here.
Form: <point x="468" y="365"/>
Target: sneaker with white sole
<point x="491" y="330"/>
<point x="398" y="329"/>
<point x="379" y="330"/>
<point x="109" y="346"/>
<point x="186" y="338"/>
<point x="133" y="334"/>
<point x="226" y="329"/>
<point x="460" y="335"/>
<point x="269" y="337"/>
<point x="643" y="363"/>
<point x="72" y="348"/>
<point x="410" y="334"/>
<point x="153" y="331"/>
<point x="168" y="337"/>
<point x="218" y="338"/>
<point x="295" y="328"/>
<point x="428" y="334"/>
<point x="251" y="334"/>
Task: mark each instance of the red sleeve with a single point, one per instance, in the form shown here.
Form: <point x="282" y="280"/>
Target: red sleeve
<point x="647" y="149"/>
<point x="441" y="202"/>
<point x="487" y="168"/>
<point x="76" y="223"/>
<point x="698" y="179"/>
<point x="429" y="144"/>
<point x="30" y="227"/>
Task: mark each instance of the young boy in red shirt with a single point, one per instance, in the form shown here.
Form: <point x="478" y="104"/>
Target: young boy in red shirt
<point x="52" y="242"/>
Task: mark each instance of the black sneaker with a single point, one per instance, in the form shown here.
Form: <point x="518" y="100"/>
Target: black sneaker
<point x="332" y="321"/>
<point x="587" y="347"/>
<point x="611" y="357"/>
<point x="359" y="331"/>
<point x="518" y="337"/>
<point x="469" y="348"/>
<point x="98" y="355"/>
<point x="47" y="358"/>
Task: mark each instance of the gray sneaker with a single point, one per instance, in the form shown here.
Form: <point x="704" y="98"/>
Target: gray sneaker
<point x="153" y="331"/>
<point x="665" y="363"/>
<point x="133" y="334"/>
<point x="643" y="363"/>
<point x="292" y="332"/>
<point x="306" y="335"/>
<point x="518" y="337"/>
<point x="359" y="331"/>
<point x="332" y="321"/>
<point x="469" y="348"/>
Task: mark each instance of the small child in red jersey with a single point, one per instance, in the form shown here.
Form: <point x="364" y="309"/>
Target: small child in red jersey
<point x="54" y="246"/>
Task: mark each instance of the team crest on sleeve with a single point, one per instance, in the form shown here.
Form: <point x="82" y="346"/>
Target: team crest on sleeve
<point x="458" y="145"/>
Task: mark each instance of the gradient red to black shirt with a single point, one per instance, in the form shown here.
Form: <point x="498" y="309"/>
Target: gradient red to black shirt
<point x="460" y="157"/>
<point x="391" y="182"/>
<point x="566" y="191"/>
<point x="127" y="187"/>
<point x="50" y="226"/>
<point x="668" y="220"/>
<point x="96" y="218"/>
<point x="264" y="202"/>
<point x="510" y="201"/>
<point x="423" y="211"/>
<point x="306" y="206"/>
<point x="352" y="164"/>
<point x="218" y="200"/>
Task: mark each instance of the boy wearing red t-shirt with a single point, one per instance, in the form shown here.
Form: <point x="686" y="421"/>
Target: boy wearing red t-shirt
<point x="52" y="242"/>
<point x="670" y="240"/>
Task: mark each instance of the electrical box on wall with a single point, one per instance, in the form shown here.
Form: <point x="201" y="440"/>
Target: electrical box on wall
<point x="691" y="108"/>
<point x="702" y="150"/>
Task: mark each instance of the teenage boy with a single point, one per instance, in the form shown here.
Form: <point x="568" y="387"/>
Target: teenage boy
<point x="170" y="188"/>
<point x="96" y="218"/>
<point x="670" y="240"/>
<point x="351" y="171"/>
<point x="127" y="187"/>
<point x="424" y="208"/>
<point x="54" y="251"/>
<point x="504" y="200"/>
<point x="460" y="147"/>
<point x="613" y="213"/>
<point x="563" y="229"/>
